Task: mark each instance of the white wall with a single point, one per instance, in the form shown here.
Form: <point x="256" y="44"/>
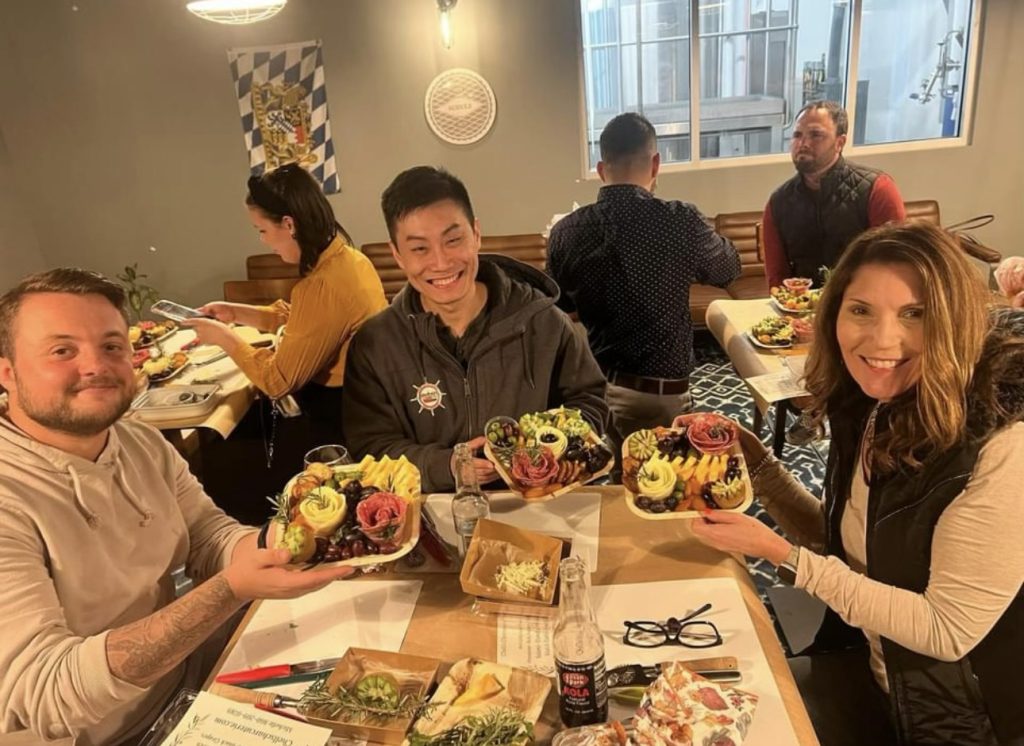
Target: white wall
<point x="123" y="132"/>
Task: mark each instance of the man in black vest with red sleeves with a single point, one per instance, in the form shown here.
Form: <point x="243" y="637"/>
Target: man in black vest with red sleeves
<point x="810" y="219"/>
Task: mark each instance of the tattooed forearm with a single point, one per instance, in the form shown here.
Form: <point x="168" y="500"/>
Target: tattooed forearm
<point x="143" y="651"/>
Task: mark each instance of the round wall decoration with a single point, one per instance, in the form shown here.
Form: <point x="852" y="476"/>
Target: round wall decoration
<point x="460" y="106"/>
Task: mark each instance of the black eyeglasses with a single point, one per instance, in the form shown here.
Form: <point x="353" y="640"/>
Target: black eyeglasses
<point x="687" y="632"/>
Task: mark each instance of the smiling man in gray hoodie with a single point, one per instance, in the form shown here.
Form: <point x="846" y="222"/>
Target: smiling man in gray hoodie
<point x="469" y="337"/>
<point x="95" y="514"/>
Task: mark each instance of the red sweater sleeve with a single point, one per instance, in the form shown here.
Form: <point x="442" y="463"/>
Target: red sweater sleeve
<point x="776" y="266"/>
<point x="885" y="205"/>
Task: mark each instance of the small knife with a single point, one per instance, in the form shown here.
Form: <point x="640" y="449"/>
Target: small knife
<point x="276" y="672"/>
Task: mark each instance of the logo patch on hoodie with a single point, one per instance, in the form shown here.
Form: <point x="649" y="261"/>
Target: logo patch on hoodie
<point x="429" y="396"/>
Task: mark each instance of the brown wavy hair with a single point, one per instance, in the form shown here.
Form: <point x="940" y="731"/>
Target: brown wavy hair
<point x="931" y="416"/>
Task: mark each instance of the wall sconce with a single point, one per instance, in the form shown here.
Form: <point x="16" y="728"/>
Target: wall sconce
<point x="236" y="12"/>
<point x="445" y="7"/>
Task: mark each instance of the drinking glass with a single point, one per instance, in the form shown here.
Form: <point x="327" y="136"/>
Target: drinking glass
<point x="332" y="455"/>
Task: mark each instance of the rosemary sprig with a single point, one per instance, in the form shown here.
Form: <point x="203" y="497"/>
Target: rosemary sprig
<point x="347" y="705"/>
<point x="497" y="727"/>
<point x="281" y="508"/>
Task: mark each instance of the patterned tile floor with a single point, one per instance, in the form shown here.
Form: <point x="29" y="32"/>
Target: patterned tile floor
<point x="716" y="387"/>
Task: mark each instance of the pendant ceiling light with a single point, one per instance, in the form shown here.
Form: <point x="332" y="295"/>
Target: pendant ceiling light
<point x="445" y="7"/>
<point x="236" y="12"/>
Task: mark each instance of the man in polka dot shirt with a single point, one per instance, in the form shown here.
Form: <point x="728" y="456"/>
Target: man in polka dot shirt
<point x="625" y="265"/>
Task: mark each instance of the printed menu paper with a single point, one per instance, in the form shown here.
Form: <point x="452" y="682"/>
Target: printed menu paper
<point x="525" y="642"/>
<point x="776" y="386"/>
<point x="215" y="721"/>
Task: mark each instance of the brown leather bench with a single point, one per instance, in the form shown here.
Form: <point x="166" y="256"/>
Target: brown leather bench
<point x="259" y="292"/>
<point x="268" y="267"/>
<point x="743" y="229"/>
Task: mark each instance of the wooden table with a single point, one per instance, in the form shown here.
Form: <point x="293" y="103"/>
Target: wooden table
<point x="236" y="392"/>
<point x="728" y="321"/>
<point x="631" y="550"/>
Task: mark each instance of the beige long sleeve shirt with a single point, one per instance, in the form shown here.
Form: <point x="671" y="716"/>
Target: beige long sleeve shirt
<point x="977" y="561"/>
<point x="86" y="547"/>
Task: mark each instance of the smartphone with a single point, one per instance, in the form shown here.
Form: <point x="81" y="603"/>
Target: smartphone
<point x="176" y="311"/>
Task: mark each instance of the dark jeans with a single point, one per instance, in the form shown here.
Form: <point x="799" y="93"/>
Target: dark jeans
<point x="236" y="473"/>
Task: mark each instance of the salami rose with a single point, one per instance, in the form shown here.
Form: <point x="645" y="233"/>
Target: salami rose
<point x="711" y="433"/>
<point x="381" y="516"/>
<point x="534" y="467"/>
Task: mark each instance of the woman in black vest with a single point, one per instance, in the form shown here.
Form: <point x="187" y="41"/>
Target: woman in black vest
<point x="917" y="542"/>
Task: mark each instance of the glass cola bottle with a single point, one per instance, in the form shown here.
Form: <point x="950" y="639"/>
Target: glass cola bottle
<point x="470" y="503"/>
<point x="579" y="651"/>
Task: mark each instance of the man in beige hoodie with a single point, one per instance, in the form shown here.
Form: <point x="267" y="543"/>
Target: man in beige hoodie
<point x="95" y="514"/>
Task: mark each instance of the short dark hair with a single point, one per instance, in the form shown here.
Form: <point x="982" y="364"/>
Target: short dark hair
<point x="70" y="280"/>
<point x="627" y="137"/>
<point x="836" y="113"/>
<point x="291" y="190"/>
<point x="418" y="187"/>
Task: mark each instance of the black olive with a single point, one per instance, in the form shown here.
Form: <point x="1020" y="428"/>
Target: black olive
<point x="367" y="491"/>
<point x="574" y="453"/>
<point x="644" y="503"/>
<point x="666" y="444"/>
<point x="731" y="474"/>
<point x="548" y="438"/>
<point x="706" y="491"/>
<point x="597" y="459"/>
<point x="671" y="503"/>
<point x="658" y="507"/>
<point x="575" y="440"/>
<point x="734" y="462"/>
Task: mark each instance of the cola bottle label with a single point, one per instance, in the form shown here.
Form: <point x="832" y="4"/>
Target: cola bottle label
<point x="582" y="692"/>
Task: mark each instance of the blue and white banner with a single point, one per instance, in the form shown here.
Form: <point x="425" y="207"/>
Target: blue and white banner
<point x="282" y="97"/>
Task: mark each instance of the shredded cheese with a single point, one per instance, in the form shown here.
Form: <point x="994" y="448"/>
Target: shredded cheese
<point x="521" y="578"/>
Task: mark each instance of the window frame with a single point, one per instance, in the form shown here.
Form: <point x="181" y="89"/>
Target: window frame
<point x="696" y="163"/>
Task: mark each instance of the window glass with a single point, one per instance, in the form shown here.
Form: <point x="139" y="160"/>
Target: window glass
<point x="762" y="60"/>
<point x="637" y="58"/>
<point x="921" y="97"/>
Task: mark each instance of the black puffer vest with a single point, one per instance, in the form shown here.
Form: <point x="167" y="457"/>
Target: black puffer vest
<point x="816" y="226"/>
<point x="980" y="698"/>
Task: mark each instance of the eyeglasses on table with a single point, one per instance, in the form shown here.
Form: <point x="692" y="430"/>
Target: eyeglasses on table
<point x="688" y="632"/>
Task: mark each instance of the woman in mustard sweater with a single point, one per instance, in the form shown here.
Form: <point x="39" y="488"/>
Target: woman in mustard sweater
<point x="339" y="290"/>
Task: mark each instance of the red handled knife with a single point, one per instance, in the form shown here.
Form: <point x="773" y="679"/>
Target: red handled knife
<point x="276" y="672"/>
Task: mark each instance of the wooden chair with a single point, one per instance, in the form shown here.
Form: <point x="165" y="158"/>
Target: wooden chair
<point x="259" y="292"/>
<point x="268" y="267"/>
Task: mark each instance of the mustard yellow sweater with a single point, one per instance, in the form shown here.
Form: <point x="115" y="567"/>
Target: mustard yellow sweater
<point x="327" y="308"/>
